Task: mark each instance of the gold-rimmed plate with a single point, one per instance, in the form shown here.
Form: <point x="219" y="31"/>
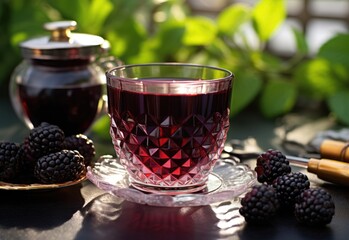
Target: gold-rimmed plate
<point x="39" y="186"/>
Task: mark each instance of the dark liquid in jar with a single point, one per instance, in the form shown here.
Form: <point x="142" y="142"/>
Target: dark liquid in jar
<point x="71" y="108"/>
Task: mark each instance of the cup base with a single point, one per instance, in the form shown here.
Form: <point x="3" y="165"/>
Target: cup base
<point x="207" y="186"/>
<point x="168" y="190"/>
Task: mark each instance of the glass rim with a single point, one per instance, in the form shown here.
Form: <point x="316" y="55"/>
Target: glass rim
<point x="229" y="74"/>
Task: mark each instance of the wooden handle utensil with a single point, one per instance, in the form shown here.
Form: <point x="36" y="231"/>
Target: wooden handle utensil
<point x="326" y="169"/>
<point x="337" y="150"/>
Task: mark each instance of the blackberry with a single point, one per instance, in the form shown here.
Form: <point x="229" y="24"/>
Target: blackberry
<point x="270" y="165"/>
<point x="314" y="207"/>
<point x="289" y="186"/>
<point x="59" y="167"/>
<point x="45" y="139"/>
<point x="25" y="157"/>
<point x="8" y="160"/>
<point x="260" y="204"/>
<point x="83" y="145"/>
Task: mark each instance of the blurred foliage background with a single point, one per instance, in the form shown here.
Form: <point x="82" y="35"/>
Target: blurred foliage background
<point x="166" y="30"/>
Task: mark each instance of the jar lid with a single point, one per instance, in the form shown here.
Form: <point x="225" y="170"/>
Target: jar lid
<point x="62" y="43"/>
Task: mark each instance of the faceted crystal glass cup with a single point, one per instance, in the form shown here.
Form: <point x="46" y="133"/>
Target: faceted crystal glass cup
<point x="169" y="123"/>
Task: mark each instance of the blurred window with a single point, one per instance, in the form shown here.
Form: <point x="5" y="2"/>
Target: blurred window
<point x="319" y="20"/>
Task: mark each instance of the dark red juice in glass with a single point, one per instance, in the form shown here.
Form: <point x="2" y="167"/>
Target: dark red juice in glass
<point x="72" y="108"/>
<point x="168" y="140"/>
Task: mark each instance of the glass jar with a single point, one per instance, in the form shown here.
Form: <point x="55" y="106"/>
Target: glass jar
<point x="61" y="79"/>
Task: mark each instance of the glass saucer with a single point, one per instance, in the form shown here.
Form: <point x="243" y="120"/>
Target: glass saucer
<point x="229" y="179"/>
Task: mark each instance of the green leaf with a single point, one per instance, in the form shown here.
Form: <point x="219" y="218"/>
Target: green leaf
<point x="89" y="14"/>
<point x="245" y="88"/>
<point x="170" y="37"/>
<point x="69" y="10"/>
<point x="278" y="97"/>
<point x="301" y="42"/>
<point x="129" y="43"/>
<point x="147" y="53"/>
<point x="225" y="56"/>
<point x="267" y="16"/>
<point x="319" y="78"/>
<point x="101" y="127"/>
<point x="266" y="62"/>
<point x="19" y="19"/>
<point x="230" y="20"/>
<point x="99" y="9"/>
<point x="338" y="104"/>
<point x="199" y="31"/>
<point x="336" y="50"/>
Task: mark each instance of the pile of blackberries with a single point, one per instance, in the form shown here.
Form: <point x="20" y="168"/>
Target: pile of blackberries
<point x="281" y="189"/>
<point x="46" y="156"/>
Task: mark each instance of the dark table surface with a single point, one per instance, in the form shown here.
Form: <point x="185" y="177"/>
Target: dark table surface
<point x="84" y="211"/>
